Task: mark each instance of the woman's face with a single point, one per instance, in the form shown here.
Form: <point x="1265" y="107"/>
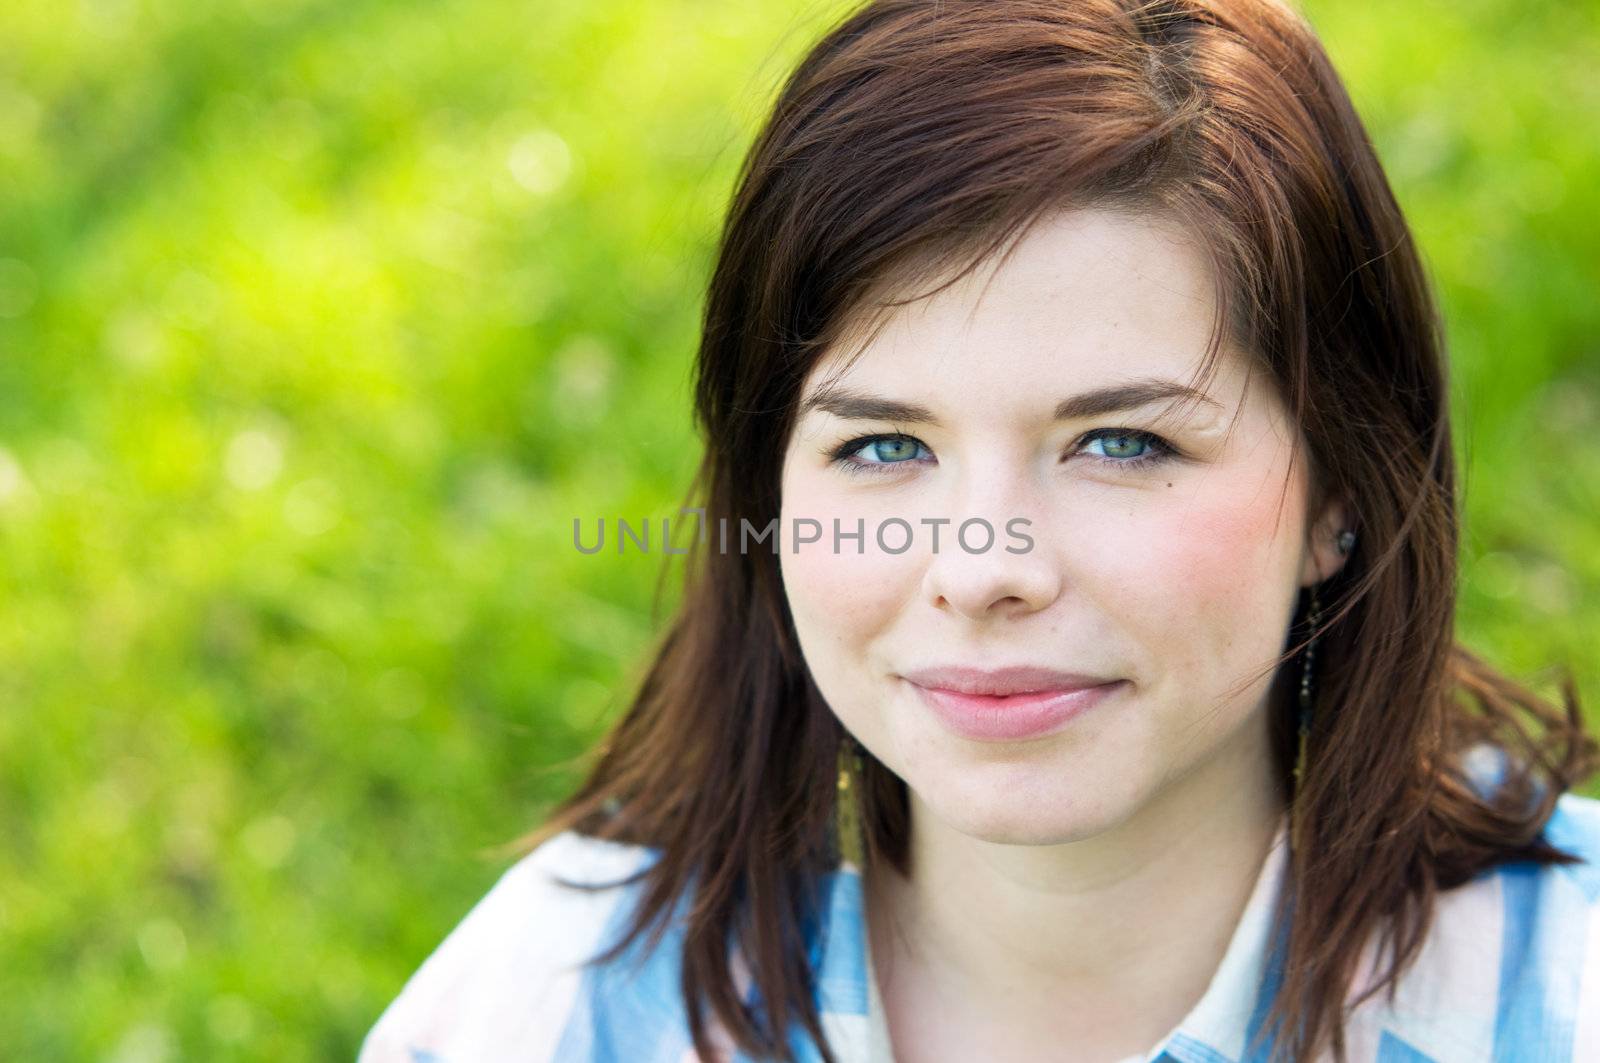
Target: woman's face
<point x="1165" y="557"/>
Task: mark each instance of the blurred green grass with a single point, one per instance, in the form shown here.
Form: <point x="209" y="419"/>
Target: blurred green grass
<point x="319" y="322"/>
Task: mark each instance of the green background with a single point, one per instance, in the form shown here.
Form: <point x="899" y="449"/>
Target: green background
<point x="319" y="322"/>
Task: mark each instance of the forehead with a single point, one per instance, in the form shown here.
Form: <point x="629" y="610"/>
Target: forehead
<point x="1090" y="295"/>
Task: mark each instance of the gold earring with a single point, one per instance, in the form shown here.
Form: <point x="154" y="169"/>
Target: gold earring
<point x="849" y="761"/>
<point x="848" y="844"/>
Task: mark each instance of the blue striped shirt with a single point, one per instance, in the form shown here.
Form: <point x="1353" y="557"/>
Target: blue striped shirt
<point x="1509" y="971"/>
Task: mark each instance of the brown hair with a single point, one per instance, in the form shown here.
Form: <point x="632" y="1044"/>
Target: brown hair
<point x="923" y="132"/>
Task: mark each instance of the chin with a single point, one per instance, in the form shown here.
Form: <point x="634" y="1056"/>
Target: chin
<point x="1014" y="812"/>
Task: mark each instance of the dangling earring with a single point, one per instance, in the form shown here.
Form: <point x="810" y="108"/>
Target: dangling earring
<point x="1307" y="660"/>
<point x="849" y="762"/>
<point x="846" y="827"/>
<point x="1344" y="543"/>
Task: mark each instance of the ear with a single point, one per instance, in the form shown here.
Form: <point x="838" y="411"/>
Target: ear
<point x="1321" y="556"/>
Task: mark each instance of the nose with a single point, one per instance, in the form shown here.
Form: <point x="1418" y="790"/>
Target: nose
<point x="982" y="584"/>
<point x="991" y="583"/>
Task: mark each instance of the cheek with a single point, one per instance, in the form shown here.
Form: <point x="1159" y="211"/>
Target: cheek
<point x="839" y="596"/>
<point x="1224" y="554"/>
<point x="1204" y="580"/>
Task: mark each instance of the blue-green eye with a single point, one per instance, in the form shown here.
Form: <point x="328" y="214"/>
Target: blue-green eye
<point x="892" y="449"/>
<point x="1121" y="444"/>
<point x="1127" y="448"/>
<point x="1122" y="449"/>
<point x="876" y="453"/>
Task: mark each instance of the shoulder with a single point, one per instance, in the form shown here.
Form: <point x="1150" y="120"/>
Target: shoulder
<point x="1510" y="967"/>
<point x="510" y="971"/>
<point x="1575" y="827"/>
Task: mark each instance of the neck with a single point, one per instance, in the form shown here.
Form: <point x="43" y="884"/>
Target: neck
<point x="1122" y="930"/>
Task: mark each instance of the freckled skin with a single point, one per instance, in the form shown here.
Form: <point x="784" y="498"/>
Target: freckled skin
<point x="1180" y="578"/>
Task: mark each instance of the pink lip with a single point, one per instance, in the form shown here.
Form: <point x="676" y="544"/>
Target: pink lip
<point x="1008" y="704"/>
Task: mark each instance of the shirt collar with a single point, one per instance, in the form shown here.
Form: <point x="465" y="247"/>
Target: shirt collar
<point x="1220" y="1025"/>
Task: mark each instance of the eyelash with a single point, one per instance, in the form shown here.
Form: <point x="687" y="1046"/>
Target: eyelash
<point x="1160" y="450"/>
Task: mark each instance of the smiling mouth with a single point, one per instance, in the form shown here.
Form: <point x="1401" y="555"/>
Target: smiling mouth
<point x="1015" y="716"/>
<point x="1002" y="682"/>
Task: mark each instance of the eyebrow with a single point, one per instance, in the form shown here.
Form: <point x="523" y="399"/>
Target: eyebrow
<point x="857" y="406"/>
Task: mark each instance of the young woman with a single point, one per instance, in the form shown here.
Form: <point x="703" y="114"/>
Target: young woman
<point x="1093" y="693"/>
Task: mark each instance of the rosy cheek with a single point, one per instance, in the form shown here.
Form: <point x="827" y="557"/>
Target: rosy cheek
<point x="1189" y="576"/>
<point x="844" y="593"/>
<point x="1226" y="550"/>
<point x="1224" y="568"/>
